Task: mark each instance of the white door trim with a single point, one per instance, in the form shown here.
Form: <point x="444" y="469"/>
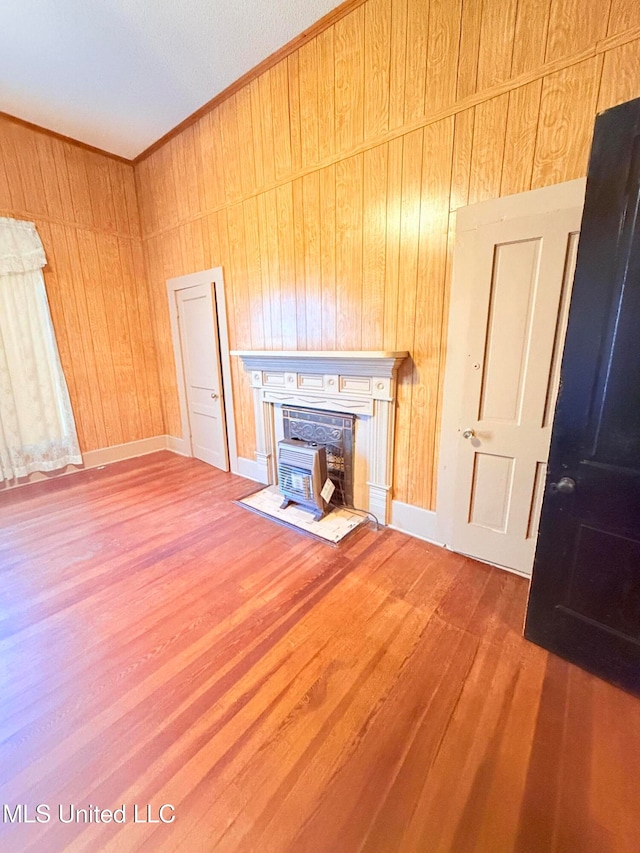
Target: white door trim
<point x="213" y="276"/>
<point x="468" y="220"/>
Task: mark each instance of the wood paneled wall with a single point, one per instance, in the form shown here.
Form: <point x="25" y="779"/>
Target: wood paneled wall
<point x="326" y="186"/>
<point x="85" y="208"/>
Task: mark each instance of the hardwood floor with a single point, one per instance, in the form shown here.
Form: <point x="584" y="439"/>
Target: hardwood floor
<point x="161" y="645"/>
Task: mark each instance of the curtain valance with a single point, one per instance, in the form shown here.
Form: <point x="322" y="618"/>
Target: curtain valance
<point x="21" y="249"/>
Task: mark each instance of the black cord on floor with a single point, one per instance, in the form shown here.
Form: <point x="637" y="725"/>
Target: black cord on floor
<point x="356" y="510"/>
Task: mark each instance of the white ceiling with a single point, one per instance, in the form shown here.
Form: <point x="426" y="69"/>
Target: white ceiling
<point x="119" y="74"/>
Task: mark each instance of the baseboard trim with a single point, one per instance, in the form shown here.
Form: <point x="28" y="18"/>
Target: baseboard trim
<point x="118" y="452"/>
<point x="423" y="524"/>
<point x="104" y="456"/>
<point x="177" y="445"/>
<point x="418" y="522"/>
<point x="251" y="469"/>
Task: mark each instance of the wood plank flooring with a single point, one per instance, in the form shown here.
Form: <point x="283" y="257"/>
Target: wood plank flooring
<point x="161" y="645"/>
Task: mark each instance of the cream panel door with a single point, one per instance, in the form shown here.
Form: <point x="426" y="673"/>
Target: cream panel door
<point x="520" y="273"/>
<point x="203" y="383"/>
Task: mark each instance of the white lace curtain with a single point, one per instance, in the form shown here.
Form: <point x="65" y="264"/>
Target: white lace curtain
<point x="37" y="430"/>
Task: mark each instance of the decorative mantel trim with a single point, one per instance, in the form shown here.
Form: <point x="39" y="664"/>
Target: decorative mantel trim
<point x="362" y="383"/>
<point x="354" y="363"/>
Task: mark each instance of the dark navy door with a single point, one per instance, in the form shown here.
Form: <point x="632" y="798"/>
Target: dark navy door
<point x="585" y="594"/>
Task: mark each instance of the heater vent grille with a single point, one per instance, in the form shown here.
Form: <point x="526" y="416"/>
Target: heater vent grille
<point x="297" y="458"/>
<point x="302" y="471"/>
<point x="295" y="482"/>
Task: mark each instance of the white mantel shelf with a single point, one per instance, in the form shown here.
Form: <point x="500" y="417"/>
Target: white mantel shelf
<point x="353" y="363"/>
<point x="362" y="383"/>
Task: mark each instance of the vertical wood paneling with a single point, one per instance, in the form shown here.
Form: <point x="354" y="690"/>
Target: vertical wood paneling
<point x="218" y="155"/>
<point x="398" y="62"/>
<point x="294" y="111"/>
<point x="309" y="118"/>
<point x="374" y="237"/>
<point x="416" y="70"/>
<point x="312" y="260"/>
<point x="530" y="41"/>
<point x="299" y="258"/>
<point x="620" y="80"/>
<point x="266" y="121"/>
<point x="273" y="254"/>
<point x="566" y="124"/>
<point x="79" y="186"/>
<point x="488" y="148"/>
<point x="46" y="157"/>
<point x="118" y="196"/>
<point x="194" y="246"/>
<point x="193" y="188"/>
<point x="245" y="139"/>
<point x="254" y="273"/>
<point x="349" y="80"/>
<point x="6" y="202"/>
<point x="407" y="288"/>
<point x="442" y="54"/>
<point x="238" y="269"/>
<point x="93" y="286"/>
<point x="624" y="15"/>
<point x="520" y="138"/>
<point x="165" y="190"/>
<point x="377" y="67"/>
<point x="574" y="25"/>
<point x="496" y="42"/>
<point x="206" y="166"/>
<point x="462" y="151"/>
<point x="349" y="253"/>
<point x="329" y="243"/>
<point x="141" y="337"/>
<point x="230" y="150"/>
<point x="25" y="150"/>
<point x="117" y="305"/>
<point x="432" y="257"/>
<point x="287" y="268"/>
<point x="256" y="130"/>
<point x="89" y="400"/>
<point x="17" y="198"/>
<point x="471" y="21"/>
<point x="85" y="208"/>
<point x="328" y="255"/>
<point x="392" y="256"/>
<point x="326" y="94"/>
<point x="178" y="171"/>
<point x="281" y="118"/>
<point x="264" y="268"/>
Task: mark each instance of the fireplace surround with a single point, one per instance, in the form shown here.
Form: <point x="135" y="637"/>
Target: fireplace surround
<point x="361" y="383"/>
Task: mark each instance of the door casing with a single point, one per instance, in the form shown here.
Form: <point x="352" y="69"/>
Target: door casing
<point x="213" y="277"/>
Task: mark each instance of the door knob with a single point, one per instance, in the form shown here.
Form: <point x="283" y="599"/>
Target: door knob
<point x="468" y="433"/>
<point x="214" y="396"/>
<point x="565" y="486"/>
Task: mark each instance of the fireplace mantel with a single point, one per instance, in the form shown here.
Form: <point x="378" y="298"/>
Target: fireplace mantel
<point x="362" y="383"/>
<point x="355" y="363"/>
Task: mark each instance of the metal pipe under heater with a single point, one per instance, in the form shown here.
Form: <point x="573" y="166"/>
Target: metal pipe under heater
<point x="302" y="472"/>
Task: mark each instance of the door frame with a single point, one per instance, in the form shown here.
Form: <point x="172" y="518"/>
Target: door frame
<point x="213" y="277"/>
<point x="468" y="220"/>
